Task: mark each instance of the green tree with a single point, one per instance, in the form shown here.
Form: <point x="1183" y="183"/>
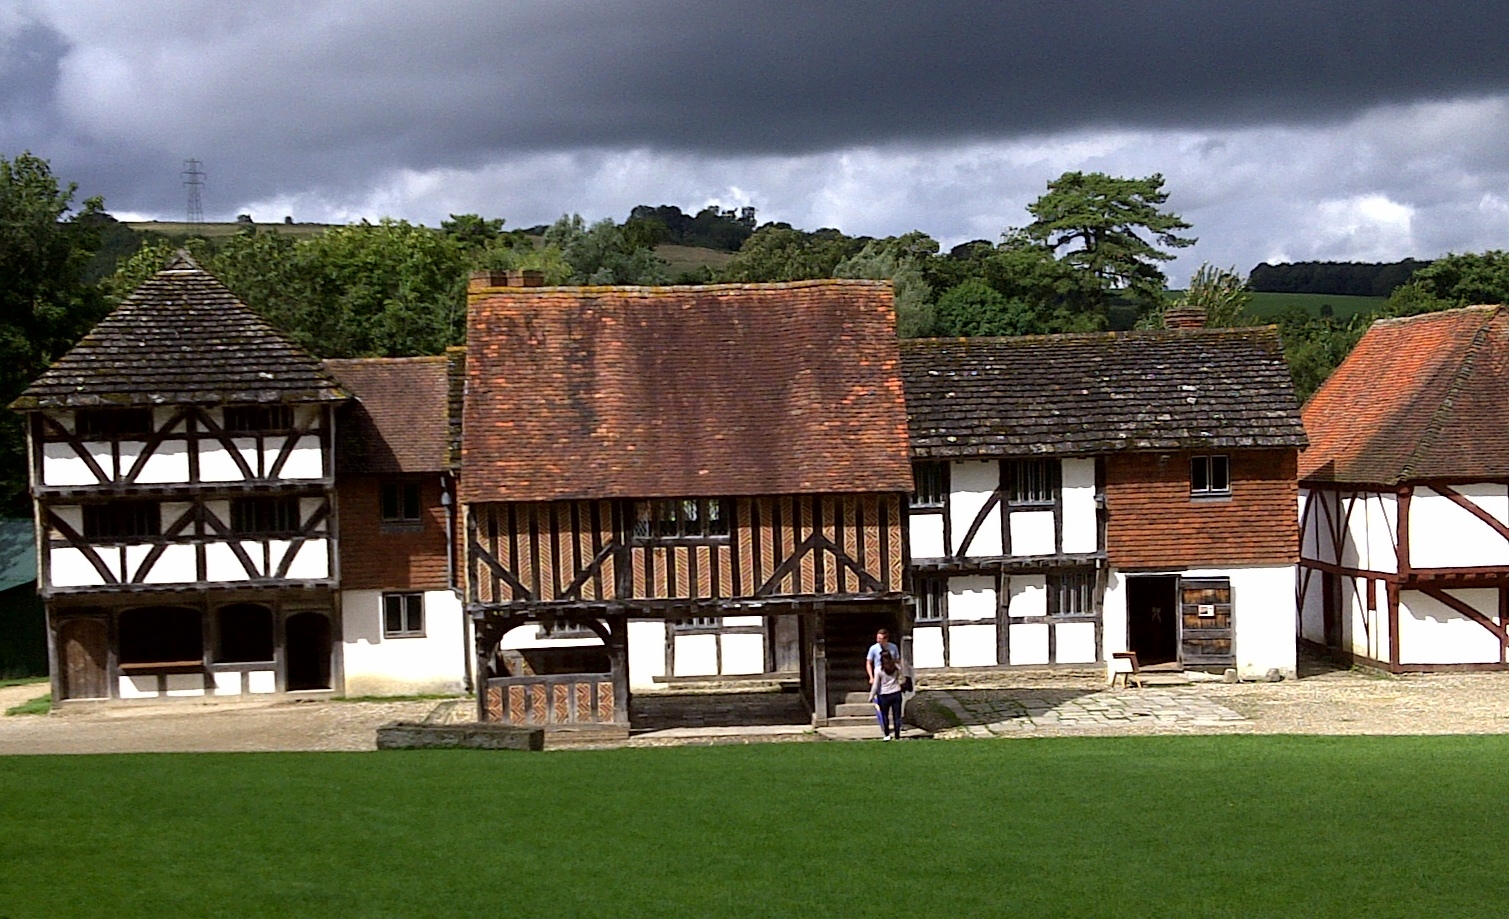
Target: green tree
<point x="975" y="308"/>
<point x="898" y="260"/>
<point x="776" y="252"/>
<point x="1456" y="280"/>
<point x="604" y="254"/>
<point x="46" y="300"/>
<point x="1108" y="230"/>
<point x="1221" y="293"/>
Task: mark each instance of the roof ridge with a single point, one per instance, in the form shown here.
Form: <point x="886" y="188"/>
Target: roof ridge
<point x="1443" y="411"/>
<point x="1454" y="312"/>
<point x="590" y="289"/>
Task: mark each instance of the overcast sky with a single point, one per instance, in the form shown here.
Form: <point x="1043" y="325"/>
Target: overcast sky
<point x="1285" y="129"/>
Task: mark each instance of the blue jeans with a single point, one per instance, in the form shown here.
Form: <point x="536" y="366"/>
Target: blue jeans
<point x="888" y="713"/>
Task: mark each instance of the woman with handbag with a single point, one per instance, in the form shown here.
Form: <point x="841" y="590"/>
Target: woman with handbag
<point x="886" y="689"/>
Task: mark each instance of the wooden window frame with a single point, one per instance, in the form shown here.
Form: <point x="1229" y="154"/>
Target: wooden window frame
<point x="122" y="521"/>
<point x="277" y="510"/>
<point x="1076" y="580"/>
<point x="658" y="521"/>
<point x="697" y="624"/>
<point x="932" y="600"/>
<point x="400" y="519"/>
<point x="930" y="483"/>
<point x="407" y="604"/>
<point x="259" y="418"/>
<point x="1203" y="466"/>
<point x="112" y="423"/>
<point x="1032" y="482"/>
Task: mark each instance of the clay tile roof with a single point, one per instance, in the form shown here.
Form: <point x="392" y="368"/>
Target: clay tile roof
<point x="181" y="337"/>
<point x="584" y="392"/>
<point x="1096" y="393"/>
<point x="399" y="421"/>
<point x="1418" y="398"/>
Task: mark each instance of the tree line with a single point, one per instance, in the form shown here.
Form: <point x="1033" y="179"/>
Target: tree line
<point x="1338" y="279"/>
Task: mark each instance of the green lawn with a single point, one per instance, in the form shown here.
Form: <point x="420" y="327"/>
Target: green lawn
<point x="1138" y="827"/>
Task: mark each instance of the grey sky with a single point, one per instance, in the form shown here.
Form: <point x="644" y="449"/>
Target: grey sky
<point x="1287" y="129"/>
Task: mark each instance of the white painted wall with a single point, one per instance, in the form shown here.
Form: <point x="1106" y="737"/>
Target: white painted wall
<point x="1445" y="535"/>
<point x="1075" y="643"/>
<point x="646" y="653"/>
<point x="1081" y="523"/>
<point x="1432" y="633"/>
<point x="696" y="654"/>
<point x="1032" y="533"/>
<point x="927" y="646"/>
<point x="971" y="484"/>
<point x="743" y="654"/>
<point x="69" y="568"/>
<point x="926" y="535"/>
<point x="1263" y="610"/>
<point x="1029" y="643"/>
<point x="61" y="466"/>
<point x="1370" y="533"/>
<point x="972" y="597"/>
<point x="971" y="645"/>
<point x="1027" y="595"/>
<point x="378" y="666"/>
<point x="302" y="463"/>
<point x="1312" y="623"/>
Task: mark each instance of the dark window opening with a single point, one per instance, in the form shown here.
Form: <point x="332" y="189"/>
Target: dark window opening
<point x="1032" y="481"/>
<point x="403" y="615"/>
<point x="307" y="650"/>
<point x="1209" y="476"/>
<point x="400" y="504"/>
<point x="695" y="623"/>
<point x="245" y="634"/>
<point x="265" y="516"/>
<point x="161" y="635"/>
<point x="1072" y="593"/>
<point x="122" y="520"/>
<point x="258" y="419"/>
<point x="563" y="628"/>
<point x="681" y="518"/>
<point x="929" y="484"/>
<point x="932" y="599"/>
<point x="112" y="422"/>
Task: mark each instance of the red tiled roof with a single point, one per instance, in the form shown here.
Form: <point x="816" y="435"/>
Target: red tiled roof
<point x="1419" y="397"/>
<point x="584" y="392"/>
<point x="399" y="421"/>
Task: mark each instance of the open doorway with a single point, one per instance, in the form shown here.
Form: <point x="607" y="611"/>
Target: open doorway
<point x="308" y="651"/>
<point x="1152" y="618"/>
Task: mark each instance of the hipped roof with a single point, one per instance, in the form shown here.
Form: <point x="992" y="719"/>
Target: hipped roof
<point x="398" y="422"/>
<point x="679" y="391"/>
<point x="181" y="338"/>
<point x="1084" y="394"/>
<point x="1420" y="397"/>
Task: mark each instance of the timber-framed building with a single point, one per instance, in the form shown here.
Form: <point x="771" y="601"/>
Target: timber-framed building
<point x="1405" y="497"/>
<point x="679" y="471"/>
<point x="182" y="469"/>
<point x="1082" y="495"/>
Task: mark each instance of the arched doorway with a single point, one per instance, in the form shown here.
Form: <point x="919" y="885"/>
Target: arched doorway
<point x="82" y="650"/>
<point x="307" y="651"/>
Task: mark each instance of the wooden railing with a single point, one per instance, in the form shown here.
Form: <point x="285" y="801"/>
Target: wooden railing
<point x="556" y="700"/>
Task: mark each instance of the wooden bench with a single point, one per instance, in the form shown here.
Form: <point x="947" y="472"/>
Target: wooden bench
<point x="1133" y="673"/>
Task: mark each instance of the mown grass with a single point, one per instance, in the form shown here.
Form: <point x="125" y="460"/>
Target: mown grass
<point x="1135" y="827"/>
<point x="41" y="705"/>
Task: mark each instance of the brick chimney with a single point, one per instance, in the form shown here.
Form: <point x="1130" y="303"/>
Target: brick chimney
<point x="1184" y="317"/>
<point x="486" y="278"/>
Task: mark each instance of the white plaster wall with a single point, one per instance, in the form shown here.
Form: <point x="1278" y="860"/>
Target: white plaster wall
<point x="971" y="645"/>
<point x="528" y="636"/>
<point x="185" y="684"/>
<point x="221" y="564"/>
<point x="378" y="666"/>
<point x="743" y="621"/>
<point x="1028" y="595"/>
<point x="927" y="646"/>
<point x="312" y="562"/>
<point x="1444" y="535"/>
<point x="61" y="466"/>
<point x="1029" y="643"/>
<point x="1432" y="633"/>
<point x="1032" y="533"/>
<point x="71" y="515"/>
<point x="646" y="653"/>
<point x="69" y="568"/>
<point x="1316" y="541"/>
<point x="138" y="687"/>
<point x="972" y="597"/>
<point x="743" y="653"/>
<point x="1113" y="615"/>
<point x="260" y="681"/>
<point x="1369" y="627"/>
<point x="1075" y="643"/>
<point x="176" y="565"/>
<point x="971" y="484"/>
<point x="302" y="463"/>
<point x="227" y="683"/>
<point x="216" y="464"/>
<point x="1081" y="527"/>
<point x="926" y="535"/>
<point x="1312" y="622"/>
<point x="1371" y="533"/>
<point x="696" y="655"/>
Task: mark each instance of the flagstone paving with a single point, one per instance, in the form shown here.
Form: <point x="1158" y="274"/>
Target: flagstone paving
<point x="1003" y="713"/>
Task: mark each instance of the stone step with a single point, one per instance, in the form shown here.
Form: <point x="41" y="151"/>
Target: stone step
<point x="865" y="709"/>
<point x="856" y="721"/>
<point x="851" y="698"/>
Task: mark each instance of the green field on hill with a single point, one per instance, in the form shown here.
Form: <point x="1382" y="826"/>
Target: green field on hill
<point x="1270" y="305"/>
<point x="1233" y="826"/>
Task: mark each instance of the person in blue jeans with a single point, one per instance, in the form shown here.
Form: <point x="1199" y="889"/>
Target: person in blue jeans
<point x="886" y="693"/>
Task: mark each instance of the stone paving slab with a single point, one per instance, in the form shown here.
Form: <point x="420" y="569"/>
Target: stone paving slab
<point x="1008" y="713"/>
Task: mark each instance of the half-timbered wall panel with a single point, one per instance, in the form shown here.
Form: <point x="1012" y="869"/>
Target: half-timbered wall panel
<point x="1081" y="527"/>
<point x="1445" y="534"/>
<point x="569" y="551"/>
<point x="978" y="518"/>
<point x="973" y="484"/>
<point x="1433" y="632"/>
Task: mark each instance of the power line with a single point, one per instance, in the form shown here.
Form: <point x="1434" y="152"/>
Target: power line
<point x="193" y="180"/>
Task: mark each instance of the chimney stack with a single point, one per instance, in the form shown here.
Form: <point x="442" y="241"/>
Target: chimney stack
<point x="1184" y="317"/>
<point x="487" y="278"/>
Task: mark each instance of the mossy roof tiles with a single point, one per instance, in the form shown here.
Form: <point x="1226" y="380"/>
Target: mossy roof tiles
<point x="1097" y="393"/>
<point x="181" y="338"/>
<point x="398" y="422"/>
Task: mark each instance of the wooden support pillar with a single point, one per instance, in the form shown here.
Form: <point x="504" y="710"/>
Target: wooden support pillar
<point x="479" y="666"/>
<point x="618" y="658"/>
<point x="819" y="667"/>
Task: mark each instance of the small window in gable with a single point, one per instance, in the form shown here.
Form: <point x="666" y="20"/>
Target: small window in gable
<point x="400" y="504"/>
<point x="103" y="423"/>
<point x="1032" y="481"/>
<point x="1209" y="477"/>
<point x="929" y="484"/>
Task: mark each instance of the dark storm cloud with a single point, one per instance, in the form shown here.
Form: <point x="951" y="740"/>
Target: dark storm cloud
<point x="330" y="96"/>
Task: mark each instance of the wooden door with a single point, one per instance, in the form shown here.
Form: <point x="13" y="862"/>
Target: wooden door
<point x="1206" y="634"/>
<point x="83" y="650"/>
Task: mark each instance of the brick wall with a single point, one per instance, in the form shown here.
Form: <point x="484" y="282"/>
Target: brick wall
<point x="374" y="558"/>
<point x="1154" y="523"/>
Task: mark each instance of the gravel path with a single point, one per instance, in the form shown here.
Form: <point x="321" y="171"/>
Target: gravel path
<point x="1323" y="701"/>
